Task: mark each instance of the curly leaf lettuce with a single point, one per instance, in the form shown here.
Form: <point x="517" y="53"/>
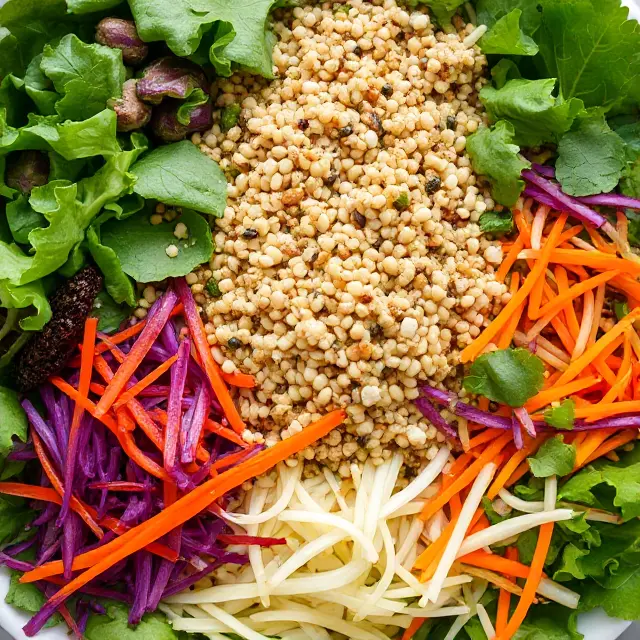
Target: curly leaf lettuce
<point x="536" y="115"/>
<point x="496" y="157"/>
<point x="506" y="37"/>
<point x="182" y="24"/>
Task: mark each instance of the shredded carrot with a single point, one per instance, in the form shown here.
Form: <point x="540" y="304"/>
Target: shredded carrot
<point x="190" y="505"/>
<point x="521" y="471"/>
<point x="133" y="359"/>
<point x="466" y="477"/>
<point x="211" y="368"/>
<point x="240" y="380"/>
<point x="504" y="598"/>
<point x="486" y="436"/>
<point x="494" y="562"/>
<point x="511" y="465"/>
<point x="590" y="444"/>
<point x="532" y="583"/>
<point x="507" y="336"/>
<point x="613" y="443"/>
<point x="483" y="523"/>
<point x="592" y="259"/>
<point x="413" y="628"/>
<point x="597" y="411"/>
<point x="56" y="483"/>
<point x="580" y="364"/>
<point x="135" y="390"/>
<point x="555" y="393"/>
<point x="455" y="506"/>
<point x="536" y="274"/>
<point x="510" y="259"/>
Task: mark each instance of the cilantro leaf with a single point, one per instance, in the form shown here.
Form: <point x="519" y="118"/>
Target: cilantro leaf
<point x="561" y="416"/>
<point x="110" y="314"/>
<point x="536" y="115"/>
<point x="181" y="175"/>
<point x="494" y="156"/>
<point x="554" y="458"/>
<point x="591" y="157"/>
<point x="87" y="76"/>
<point x="507" y="376"/>
<point x="14" y="517"/>
<point x="141" y="247"/>
<point x="114" y="625"/>
<point x="506" y="37"/>
<point x="182" y="23"/>
<point x="586" y="44"/>
<point x="497" y="222"/>
<point x="594" y="484"/>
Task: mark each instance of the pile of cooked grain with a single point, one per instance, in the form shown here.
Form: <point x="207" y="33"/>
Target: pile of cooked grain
<point x="350" y="265"/>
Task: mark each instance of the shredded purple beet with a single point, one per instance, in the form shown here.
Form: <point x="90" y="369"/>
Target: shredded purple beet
<point x="544" y="170"/>
<point x="611" y="200"/>
<point x="517" y="433"/>
<point x="434" y="417"/>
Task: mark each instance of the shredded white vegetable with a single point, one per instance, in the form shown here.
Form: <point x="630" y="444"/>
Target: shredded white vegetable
<point x="485" y="621"/>
<point x="509" y="528"/>
<point x="232" y="622"/>
<point x="558" y="593"/>
<point x="550" y="493"/>
<point x="519" y="504"/>
<point x="480" y="486"/>
<point x="419" y="484"/>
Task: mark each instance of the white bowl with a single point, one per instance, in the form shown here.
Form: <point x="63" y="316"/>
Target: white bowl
<point x="595" y="625"/>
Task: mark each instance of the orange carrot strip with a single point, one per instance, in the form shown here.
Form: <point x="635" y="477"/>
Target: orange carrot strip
<point x="29" y="491"/>
<point x="486" y="436"/>
<point x="594" y="412"/>
<point x="578" y="365"/>
<point x="478" y="345"/>
<point x="613" y="443"/>
<point x="532" y="583"/>
<point x="56" y="483"/>
<point x="555" y="393"/>
<point x="483" y="523"/>
<point x="494" y="562"/>
<point x="466" y="477"/>
<point x="524" y="227"/>
<point x="502" y="478"/>
<point x="598" y="242"/>
<point x="593" y="259"/>
<point x="509" y="259"/>
<point x="190" y="505"/>
<point x="239" y="379"/>
<point x="571" y="232"/>
<point x="505" y="338"/>
<point x="214" y="374"/>
<point x="135" y="356"/>
<point x="413" y="628"/>
<point x="571" y="293"/>
<point x="132" y="392"/>
<point x="87" y="404"/>
<point x="521" y="471"/>
<point x="589" y="445"/>
<point x="455" y="506"/>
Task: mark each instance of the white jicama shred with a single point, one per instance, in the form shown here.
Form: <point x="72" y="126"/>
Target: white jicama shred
<point x="558" y="593"/>
<point x="472" y="502"/>
<point x="233" y="623"/>
<point x="519" y="504"/>
<point x="485" y="621"/>
<point x="550" y="493"/>
<point x="419" y="484"/>
<point x="509" y="528"/>
<point x="410" y="540"/>
<point x="336" y="522"/>
<point x="256" y="503"/>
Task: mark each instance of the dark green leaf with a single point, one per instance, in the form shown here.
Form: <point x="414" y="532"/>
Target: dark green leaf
<point x="14" y="516"/>
<point x="114" y="625"/>
<point x="507" y="376"/>
<point x="182" y="23"/>
<point x="554" y="458"/>
<point x="91" y="6"/>
<point x="212" y="288"/>
<point x="229" y="116"/>
<point x="13" y="425"/>
<point x="491" y="513"/>
<point x="496" y="222"/>
<point x="87" y="75"/>
<point x="443" y="10"/>
<point x="142" y="247"/>
<point x="504" y="71"/>
<point x="562" y="415"/>
<point x="536" y="115"/>
<point x="29" y="598"/>
<point x="111" y="315"/>
<point x="591" y="157"/>
<point x="23" y="219"/>
<point x="494" y="156"/>
<point x="181" y="175"/>
<point x="506" y="37"/>
<point x="621" y="602"/>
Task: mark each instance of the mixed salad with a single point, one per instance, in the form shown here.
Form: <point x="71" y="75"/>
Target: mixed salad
<point x="136" y="502"/>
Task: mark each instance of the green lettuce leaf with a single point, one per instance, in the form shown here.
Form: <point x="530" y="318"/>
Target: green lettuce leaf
<point x="443" y="10"/>
<point x="494" y="156"/>
<point x="591" y="157"/>
<point x="182" y="23"/>
<point x="91" y="6"/>
<point x="69" y="208"/>
<point x="536" y="115"/>
<point x="27" y="597"/>
<point x="507" y="376"/>
<point x="554" y="458"/>
<point x="562" y="415"/>
<point x="110" y="314"/>
<point x="588" y="45"/>
<point x="181" y="175"/>
<point x="22" y="219"/>
<point x="27" y="296"/>
<point x="504" y="71"/>
<point x="13" y="425"/>
<point x="623" y="601"/>
<point x="40" y="88"/>
<point x="594" y="485"/>
<point x="505" y="37"/>
<point x="114" y="625"/>
<point x="141" y="247"/>
<point x="87" y="75"/>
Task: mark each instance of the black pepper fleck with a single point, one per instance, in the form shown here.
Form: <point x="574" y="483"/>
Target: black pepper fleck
<point x="387" y="90"/>
<point x="331" y="178"/>
<point x="343" y="132"/>
<point x="359" y="219"/>
<point x="250" y="234"/>
<point x="451" y="122"/>
<point x="357" y="50"/>
<point x="234" y="343"/>
<point x="303" y="124"/>
<point x="376" y="330"/>
<point x="433" y="184"/>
